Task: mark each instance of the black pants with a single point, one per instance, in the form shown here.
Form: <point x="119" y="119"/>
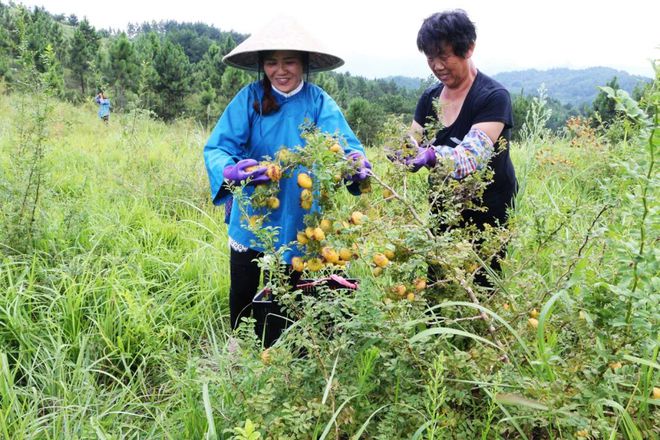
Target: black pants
<point x="496" y="214"/>
<point x="245" y="277"/>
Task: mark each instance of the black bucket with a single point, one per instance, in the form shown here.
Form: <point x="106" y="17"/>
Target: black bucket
<point x="271" y="321"/>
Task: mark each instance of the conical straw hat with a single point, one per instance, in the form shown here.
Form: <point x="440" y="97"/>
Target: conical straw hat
<point x="283" y="33"/>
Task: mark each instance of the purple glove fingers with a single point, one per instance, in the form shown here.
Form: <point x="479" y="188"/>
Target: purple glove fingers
<point x="238" y="173"/>
<point x="364" y="166"/>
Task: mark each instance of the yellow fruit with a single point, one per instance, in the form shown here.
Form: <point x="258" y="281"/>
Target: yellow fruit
<point x="472" y="267"/>
<point x="357" y="217"/>
<point x="336" y="148"/>
<point x="410" y="297"/>
<point x="389" y="254"/>
<point x="380" y="260"/>
<point x="615" y="365"/>
<point x="319" y="235"/>
<point x="534" y="313"/>
<point x="315" y="264"/>
<point x="337" y="178"/>
<point x="387" y="193"/>
<point x="376" y="271"/>
<point x="533" y="322"/>
<point x="254" y="221"/>
<point x="285" y="155"/>
<point x="302" y="238"/>
<point x="345" y="254"/>
<point x="306" y="205"/>
<point x="274" y="172"/>
<point x="656" y="393"/>
<point x="400" y="289"/>
<point x="330" y="255"/>
<point x="365" y="186"/>
<point x="265" y="356"/>
<point x="309" y="232"/>
<point x="298" y="264"/>
<point x="326" y="225"/>
<point x="420" y="284"/>
<point x="273" y="203"/>
<point x="306" y="194"/>
<point x="304" y="181"/>
<point x="582" y="433"/>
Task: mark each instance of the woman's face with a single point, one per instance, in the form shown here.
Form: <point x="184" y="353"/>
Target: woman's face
<point x="284" y="69"/>
<point x="449" y="68"/>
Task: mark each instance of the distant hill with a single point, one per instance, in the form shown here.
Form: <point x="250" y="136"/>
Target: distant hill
<point x="568" y="86"/>
<point x="405" y="82"/>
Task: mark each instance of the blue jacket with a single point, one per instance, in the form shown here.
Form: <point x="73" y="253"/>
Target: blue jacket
<point x="104" y="106"/>
<point x="243" y="133"/>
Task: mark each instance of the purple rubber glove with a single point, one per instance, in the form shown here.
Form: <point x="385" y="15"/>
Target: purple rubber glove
<point x="425" y="157"/>
<point x="238" y="173"/>
<point x="363" y="167"/>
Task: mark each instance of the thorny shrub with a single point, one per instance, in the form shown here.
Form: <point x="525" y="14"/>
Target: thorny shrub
<point x="567" y="347"/>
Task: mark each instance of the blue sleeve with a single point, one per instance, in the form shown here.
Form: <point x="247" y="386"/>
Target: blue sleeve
<point x="331" y="120"/>
<point x="227" y="143"/>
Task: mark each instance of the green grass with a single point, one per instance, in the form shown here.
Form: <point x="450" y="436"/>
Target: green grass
<point x="113" y="309"/>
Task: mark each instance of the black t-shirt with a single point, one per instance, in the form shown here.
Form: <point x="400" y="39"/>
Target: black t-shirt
<point x="486" y="101"/>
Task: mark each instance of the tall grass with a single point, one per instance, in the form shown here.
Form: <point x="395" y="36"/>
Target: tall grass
<point x="99" y="323"/>
<point x="113" y="321"/>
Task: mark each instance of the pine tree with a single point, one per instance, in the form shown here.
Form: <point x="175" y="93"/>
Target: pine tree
<point x="123" y="68"/>
<point x="173" y="69"/>
<point x="82" y="51"/>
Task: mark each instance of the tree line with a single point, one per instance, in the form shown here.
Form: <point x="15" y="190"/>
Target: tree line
<point x="175" y="70"/>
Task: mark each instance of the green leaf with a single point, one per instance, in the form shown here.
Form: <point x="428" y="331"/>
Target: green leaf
<point x="450" y="331"/>
<point x="518" y="400"/>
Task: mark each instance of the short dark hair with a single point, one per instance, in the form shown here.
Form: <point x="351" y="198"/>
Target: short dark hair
<point x="453" y="28"/>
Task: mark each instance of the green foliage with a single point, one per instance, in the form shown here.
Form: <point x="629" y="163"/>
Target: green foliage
<point x="122" y="69"/>
<point x="603" y="105"/>
<point x="535" y="129"/>
<point x="364" y="118"/>
<point x="82" y="52"/>
<point x="173" y="83"/>
<point x="114" y="308"/>
<point x="113" y="286"/>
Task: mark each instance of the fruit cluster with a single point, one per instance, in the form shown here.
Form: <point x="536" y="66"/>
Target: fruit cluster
<point x="314" y="241"/>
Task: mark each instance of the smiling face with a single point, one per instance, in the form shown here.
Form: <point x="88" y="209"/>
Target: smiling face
<point x="284" y="69"/>
<point x="448" y="67"/>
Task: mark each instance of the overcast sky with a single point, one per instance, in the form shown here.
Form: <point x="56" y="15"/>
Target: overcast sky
<point x="378" y="41"/>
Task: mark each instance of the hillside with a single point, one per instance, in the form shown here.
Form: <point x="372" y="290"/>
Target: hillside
<point x="569" y="86"/>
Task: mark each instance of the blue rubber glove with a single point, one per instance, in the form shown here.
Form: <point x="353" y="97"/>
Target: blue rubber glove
<point x="238" y="173"/>
<point x="363" y="167"/>
<point x="425" y="157"/>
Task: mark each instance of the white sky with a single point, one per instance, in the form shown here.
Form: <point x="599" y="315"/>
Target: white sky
<point x="378" y="41"/>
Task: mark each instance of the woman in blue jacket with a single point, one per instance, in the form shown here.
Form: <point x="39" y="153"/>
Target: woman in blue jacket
<point x="104" y="106"/>
<point x="262" y="118"/>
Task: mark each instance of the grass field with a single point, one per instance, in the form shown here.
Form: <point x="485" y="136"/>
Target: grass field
<point x="114" y="317"/>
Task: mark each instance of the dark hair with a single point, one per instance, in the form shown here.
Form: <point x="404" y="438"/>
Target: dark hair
<point x="452" y="28"/>
<point x="268" y="103"/>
